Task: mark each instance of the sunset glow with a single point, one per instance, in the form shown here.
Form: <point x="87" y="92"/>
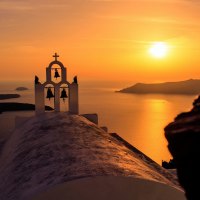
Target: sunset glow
<point x="101" y="40"/>
<point x="93" y="88"/>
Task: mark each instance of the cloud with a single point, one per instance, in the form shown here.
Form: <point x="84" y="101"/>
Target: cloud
<point x="22" y="5"/>
<point x="14" y="6"/>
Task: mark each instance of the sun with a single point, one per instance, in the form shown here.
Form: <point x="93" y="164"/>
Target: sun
<point x="158" y="49"/>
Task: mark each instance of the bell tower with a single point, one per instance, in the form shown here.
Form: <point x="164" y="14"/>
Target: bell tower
<point x="56" y="87"/>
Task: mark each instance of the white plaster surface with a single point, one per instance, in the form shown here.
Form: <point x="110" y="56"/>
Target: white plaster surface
<point x="57" y="148"/>
<point x="112" y="188"/>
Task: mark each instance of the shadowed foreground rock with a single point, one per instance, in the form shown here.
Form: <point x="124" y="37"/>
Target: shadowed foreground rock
<point x="183" y="136"/>
<point x="60" y="156"/>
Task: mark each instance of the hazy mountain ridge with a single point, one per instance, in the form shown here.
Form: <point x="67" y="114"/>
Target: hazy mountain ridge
<point x="191" y="86"/>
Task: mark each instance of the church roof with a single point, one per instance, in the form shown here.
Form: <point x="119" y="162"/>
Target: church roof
<point x="56" y="148"/>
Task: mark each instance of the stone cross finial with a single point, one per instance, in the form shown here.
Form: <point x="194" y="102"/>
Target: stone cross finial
<point x="55" y="56"/>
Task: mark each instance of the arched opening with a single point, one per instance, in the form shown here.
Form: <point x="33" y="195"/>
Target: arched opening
<point x="64" y="98"/>
<point x="56" y="73"/>
<point x="49" y="95"/>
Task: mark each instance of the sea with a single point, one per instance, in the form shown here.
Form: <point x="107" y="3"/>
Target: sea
<point x="138" y="118"/>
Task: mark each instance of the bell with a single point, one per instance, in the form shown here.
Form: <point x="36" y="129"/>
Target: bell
<point x="49" y="94"/>
<point x="56" y="74"/>
<point x="63" y="94"/>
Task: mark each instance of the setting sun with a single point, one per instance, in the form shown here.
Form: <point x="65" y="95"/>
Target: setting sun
<point x="158" y="49"/>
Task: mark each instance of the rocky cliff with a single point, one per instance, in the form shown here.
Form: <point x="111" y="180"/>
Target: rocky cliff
<point x="183" y="136"/>
<point x="61" y="156"/>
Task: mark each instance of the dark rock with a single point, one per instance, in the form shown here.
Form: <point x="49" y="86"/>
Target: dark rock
<point x="169" y="165"/>
<point x="8" y="96"/>
<point x="183" y="136"/>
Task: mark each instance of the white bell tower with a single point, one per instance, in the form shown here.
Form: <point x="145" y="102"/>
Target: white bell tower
<point x="56" y="86"/>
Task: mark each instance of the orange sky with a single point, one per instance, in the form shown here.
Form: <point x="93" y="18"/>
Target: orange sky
<point x="100" y="39"/>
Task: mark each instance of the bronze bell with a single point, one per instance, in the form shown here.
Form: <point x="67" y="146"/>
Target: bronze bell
<point x="56" y="74"/>
<point x="63" y="94"/>
<point x="49" y="94"/>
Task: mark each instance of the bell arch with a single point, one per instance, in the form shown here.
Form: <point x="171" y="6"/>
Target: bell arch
<point x="56" y="73"/>
<point x="62" y="89"/>
<point x="50" y="68"/>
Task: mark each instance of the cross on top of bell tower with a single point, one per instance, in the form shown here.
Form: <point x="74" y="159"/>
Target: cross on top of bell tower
<point x="55" y="56"/>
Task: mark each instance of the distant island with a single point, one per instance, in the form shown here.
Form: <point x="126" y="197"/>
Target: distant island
<point x="21" y="88"/>
<point x="188" y="87"/>
<point x="9" y="106"/>
<point x="8" y="96"/>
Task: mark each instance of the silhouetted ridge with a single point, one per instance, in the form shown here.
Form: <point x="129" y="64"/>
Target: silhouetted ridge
<point x="8" y="96"/>
<point x="19" y="107"/>
<point x="190" y="86"/>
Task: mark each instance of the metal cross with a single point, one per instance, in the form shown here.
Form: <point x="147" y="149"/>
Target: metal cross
<point x="56" y="56"/>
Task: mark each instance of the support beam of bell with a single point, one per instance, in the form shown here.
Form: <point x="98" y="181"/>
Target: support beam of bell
<point x="57" y="98"/>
